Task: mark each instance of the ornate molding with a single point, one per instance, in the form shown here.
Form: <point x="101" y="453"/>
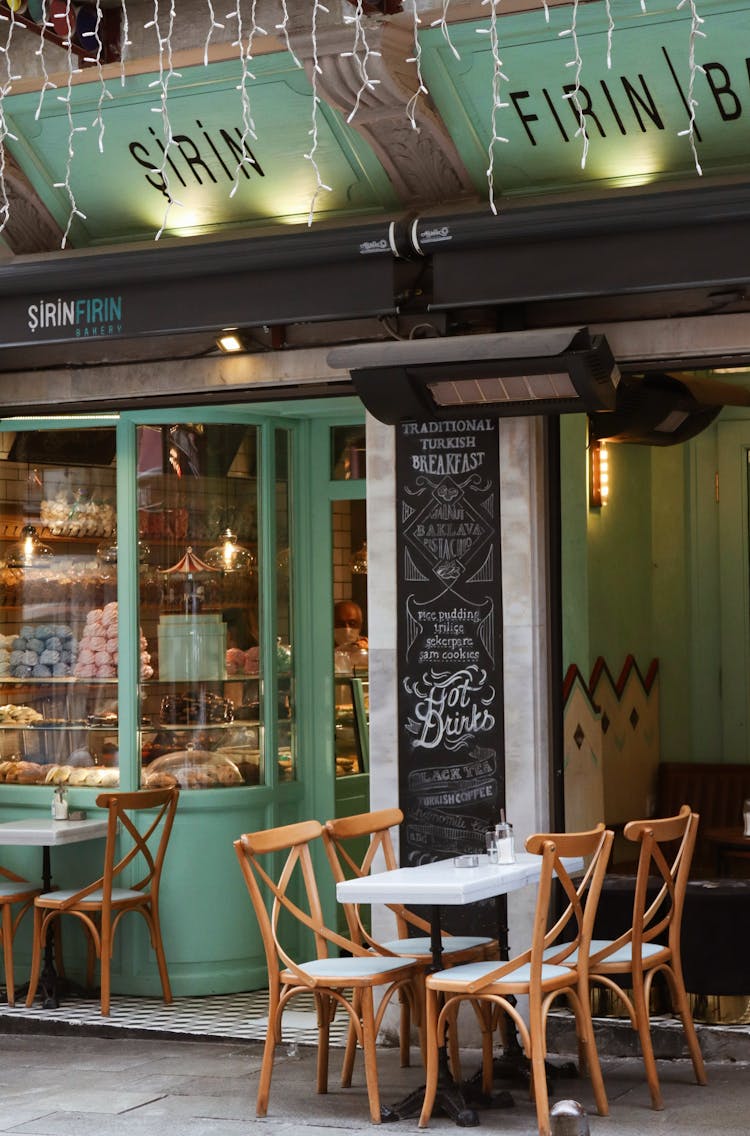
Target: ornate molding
<point x="30" y="226"/>
<point x="423" y="164"/>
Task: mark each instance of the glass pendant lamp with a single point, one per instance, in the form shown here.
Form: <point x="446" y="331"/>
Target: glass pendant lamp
<point x="29" y="551"/>
<point x="229" y="556"/>
<point x="358" y="562"/>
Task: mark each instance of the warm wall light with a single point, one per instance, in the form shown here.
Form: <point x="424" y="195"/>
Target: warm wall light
<point x="231" y="341"/>
<point x="598" y="475"/>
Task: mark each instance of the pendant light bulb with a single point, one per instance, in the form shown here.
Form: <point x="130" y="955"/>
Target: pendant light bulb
<point x="29" y="550"/>
<point x="229" y="556"/>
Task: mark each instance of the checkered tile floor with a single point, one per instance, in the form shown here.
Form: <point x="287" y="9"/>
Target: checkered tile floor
<point x="225" y="1016"/>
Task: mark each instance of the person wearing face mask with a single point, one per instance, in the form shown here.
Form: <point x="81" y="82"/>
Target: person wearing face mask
<point x="350" y="644"/>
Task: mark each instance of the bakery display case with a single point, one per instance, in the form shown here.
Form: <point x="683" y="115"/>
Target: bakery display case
<point x="211" y="703"/>
<point x="58" y="654"/>
<point x="351" y="731"/>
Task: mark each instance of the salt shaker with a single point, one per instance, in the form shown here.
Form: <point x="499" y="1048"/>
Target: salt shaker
<point x="746" y="816"/>
<point x="60" y="804"/>
<point x="504" y="843"/>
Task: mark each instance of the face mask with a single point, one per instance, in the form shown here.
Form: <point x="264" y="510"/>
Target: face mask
<point x="343" y="635"/>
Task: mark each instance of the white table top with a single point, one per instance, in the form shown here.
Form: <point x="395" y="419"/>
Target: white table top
<point x="43" y="831"/>
<point x="444" y="883"/>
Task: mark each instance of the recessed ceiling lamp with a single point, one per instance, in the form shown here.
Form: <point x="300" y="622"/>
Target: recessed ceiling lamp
<point x="231" y="341"/>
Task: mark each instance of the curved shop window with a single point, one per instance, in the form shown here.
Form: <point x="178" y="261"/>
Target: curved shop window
<point x="145" y="602"/>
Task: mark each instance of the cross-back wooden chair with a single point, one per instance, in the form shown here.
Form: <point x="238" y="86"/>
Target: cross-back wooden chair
<point x="101" y="904"/>
<point x="636" y="952"/>
<point x="543" y="972"/>
<point x="13" y="890"/>
<point x="293" y="893"/>
<point x="343" y="842"/>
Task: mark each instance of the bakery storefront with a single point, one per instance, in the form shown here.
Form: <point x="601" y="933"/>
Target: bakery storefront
<point x="176" y="525"/>
<point x="150" y="592"/>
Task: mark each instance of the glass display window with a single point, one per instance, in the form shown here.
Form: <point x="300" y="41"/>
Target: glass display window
<point x="149" y="601"/>
<point x="348" y="453"/>
<point x="59" y="643"/>
<point x="284" y="656"/>
<point x="201" y="688"/>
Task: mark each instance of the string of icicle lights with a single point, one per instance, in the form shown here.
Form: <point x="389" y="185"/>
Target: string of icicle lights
<point x="361" y="17"/>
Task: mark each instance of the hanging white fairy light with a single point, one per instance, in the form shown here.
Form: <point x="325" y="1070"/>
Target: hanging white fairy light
<point x="213" y="26"/>
<point x="498" y="77"/>
<point x="575" y="93"/>
<point x="245" y="47"/>
<point x="125" y="40"/>
<point x="47" y="84"/>
<point x="96" y="34"/>
<point x="166" y="74"/>
<point x="416" y="58"/>
<point x="442" y="23"/>
<point x="313" y="132"/>
<point x="610" y="32"/>
<point x="692" y="102"/>
<point x="283" y="27"/>
<point x="67" y="98"/>
<point x="5" y="133"/>
<point x="361" y="53"/>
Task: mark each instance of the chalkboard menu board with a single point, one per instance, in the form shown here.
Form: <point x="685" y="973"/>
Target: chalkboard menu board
<point x="451" y="743"/>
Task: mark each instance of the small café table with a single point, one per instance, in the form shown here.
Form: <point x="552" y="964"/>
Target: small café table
<point x="47" y="833"/>
<point x="726" y="841"/>
<point x="445" y="883"/>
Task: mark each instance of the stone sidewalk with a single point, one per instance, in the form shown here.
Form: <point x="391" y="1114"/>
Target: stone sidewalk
<point x="124" y="1086"/>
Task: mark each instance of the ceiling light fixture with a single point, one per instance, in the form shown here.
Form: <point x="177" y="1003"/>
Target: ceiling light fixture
<point x="231" y="341"/>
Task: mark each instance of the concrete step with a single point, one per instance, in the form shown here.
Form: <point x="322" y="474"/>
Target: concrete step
<point x="616" y="1038"/>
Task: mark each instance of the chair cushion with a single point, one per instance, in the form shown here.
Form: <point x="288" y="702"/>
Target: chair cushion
<point x="624" y="954"/>
<point x="420" y="945"/>
<point x="472" y="971"/>
<point x="119" y="895"/>
<point x="357" y="967"/>
<point x="9" y="888"/>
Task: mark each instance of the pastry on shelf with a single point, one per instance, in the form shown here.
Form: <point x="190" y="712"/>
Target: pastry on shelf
<point x="24" y="772"/>
<point x="196" y="709"/>
<point x="197" y="769"/>
<point x="12" y="715"/>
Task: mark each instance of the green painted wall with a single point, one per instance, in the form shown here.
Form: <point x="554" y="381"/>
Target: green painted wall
<point x="619" y="552"/>
<point x="663" y="572"/>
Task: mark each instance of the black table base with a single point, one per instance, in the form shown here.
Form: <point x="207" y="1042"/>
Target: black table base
<point x="460" y="1103"/>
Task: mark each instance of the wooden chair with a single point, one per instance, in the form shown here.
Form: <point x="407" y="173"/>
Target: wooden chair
<point x="101" y="904"/>
<point x="294" y="893"/>
<point x="13" y="889"/>
<point x="636" y="952"/>
<point x="341" y="838"/>
<point x="543" y="973"/>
